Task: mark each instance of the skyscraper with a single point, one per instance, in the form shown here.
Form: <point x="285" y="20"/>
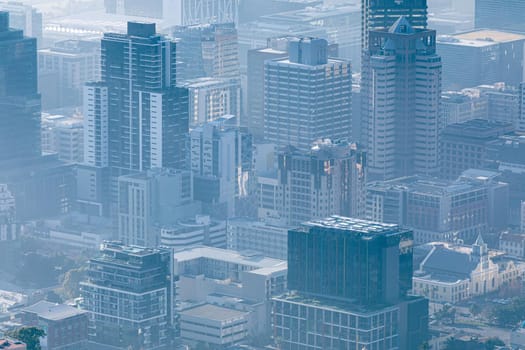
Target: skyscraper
<point x="19" y="98"/>
<point x="328" y="179"/>
<point x="345" y="273"/>
<point x="366" y="262"/>
<point x="141" y="114"/>
<point x="382" y="14"/>
<point x="129" y="294"/>
<point x="401" y="92"/>
<point x="308" y="96"/>
<point x="255" y="88"/>
<point x="500" y="14"/>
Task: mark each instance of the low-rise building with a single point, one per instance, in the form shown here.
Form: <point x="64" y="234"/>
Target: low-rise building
<point x="252" y="235"/>
<point x="513" y="244"/>
<point x="66" y="327"/>
<point x="441" y="210"/>
<point x="214" y="325"/>
<point x="451" y="273"/>
<point x="245" y="282"/>
<point x="201" y="230"/>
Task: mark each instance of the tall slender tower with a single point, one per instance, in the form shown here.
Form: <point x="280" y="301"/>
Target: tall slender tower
<point x="137" y="112"/>
<point x="19" y="98"/>
<point x="401" y="91"/>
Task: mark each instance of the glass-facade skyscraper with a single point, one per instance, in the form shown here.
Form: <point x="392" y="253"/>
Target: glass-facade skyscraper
<point x="364" y="262"/>
<point x="19" y="98"/>
<point x="349" y="282"/>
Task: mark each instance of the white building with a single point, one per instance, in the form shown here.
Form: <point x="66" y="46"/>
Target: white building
<point x="216" y="164"/>
<point x="227" y="278"/>
<point x="64" y="136"/>
<point x="513" y="244"/>
<point x="213" y="98"/>
<point x="454" y="273"/>
<point x="214" y="325"/>
<point x="64" y="68"/>
<point x="195" y="232"/>
<point x="265" y="238"/>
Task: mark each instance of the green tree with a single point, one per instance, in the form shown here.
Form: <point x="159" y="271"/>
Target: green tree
<point x="71" y="282"/>
<point x="29" y="335"/>
<point x="491" y="343"/>
<point x="424" y="346"/>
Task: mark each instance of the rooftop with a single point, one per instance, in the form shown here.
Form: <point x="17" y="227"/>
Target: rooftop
<point x="257" y="261"/>
<point x="357" y="225"/>
<point x="480" y="38"/>
<point x="8" y="344"/>
<point x="53" y="312"/>
<point x="213" y="312"/>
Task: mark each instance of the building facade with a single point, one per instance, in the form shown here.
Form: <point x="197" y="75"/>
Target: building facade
<point x="308" y="96"/>
<point x="265" y="238"/>
<point x="19" y="98"/>
<point x="255" y="87"/>
<point x="217" y="166"/>
<point x="400" y="96"/>
<point x="348" y="282"/>
<point x="465" y="145"/>
<point x="66" y="327"/>
<point x="453" y="273"/>
<point x="329" y="179"/>
<point x="439" y="210"/>
<point x="64" y="68"/>
<point x="129" y="294"/>
<point x="488" y="14"/>
<point x="494" y="56"/>
<point x="212" y="98"/>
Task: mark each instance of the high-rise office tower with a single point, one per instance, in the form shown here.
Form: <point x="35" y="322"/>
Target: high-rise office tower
<point x="401" y="92"/>
<point x="500" y="14"/>
<point x="209" y="50"/>
<point x="255" y="87"/>
<point x="141" y="114"/>
<point x="24" y="17"/>
<point x="216" y="163"/>
<point x="40" y="184"/>
<point x="19" y="98"/>
<point x="382" y="14"/>
<point x="308" y="96"/>
<point x="129" y="293"/>
<point x="64" y="68"/>
<point x="148" y="114"/>
<point x="355" y="271"/>
<point x="363" y="261"/>
<point x="328" y="179"/>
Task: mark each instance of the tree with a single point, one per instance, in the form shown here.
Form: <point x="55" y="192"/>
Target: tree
<point x="491" y="343"/>
<point x="424" y="346"/>
<point x="29" y="335"/>
<point x="71" y="283"/>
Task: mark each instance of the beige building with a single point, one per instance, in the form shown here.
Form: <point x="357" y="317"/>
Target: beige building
<point x="450" y="273"/>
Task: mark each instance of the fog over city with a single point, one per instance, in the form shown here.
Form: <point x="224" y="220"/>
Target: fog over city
<point x="262" y="174"/>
